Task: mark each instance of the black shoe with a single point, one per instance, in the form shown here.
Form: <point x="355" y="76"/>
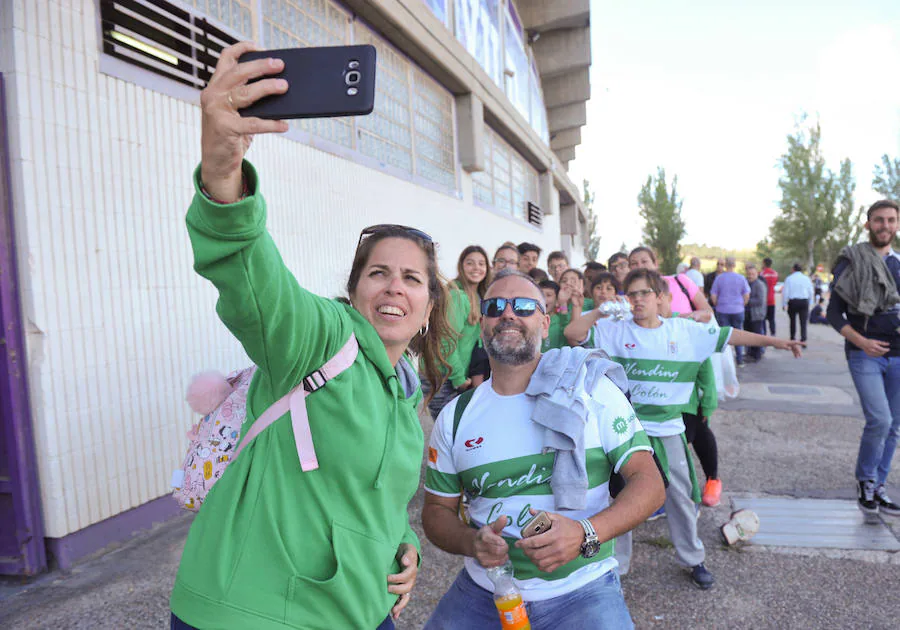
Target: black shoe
<point x="866" y="501"/>
<point x="702" y="578"/>
<point x="885" y="505"/>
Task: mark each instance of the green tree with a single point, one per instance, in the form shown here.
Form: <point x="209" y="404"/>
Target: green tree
<point x="808" y="193"/>
<point x="663" y="226"/>
<point x="886" y="178"/>
<point x="593" y="244"/>
<point x="848" y="220"/>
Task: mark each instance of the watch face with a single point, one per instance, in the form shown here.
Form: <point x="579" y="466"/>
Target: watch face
<point x="590" y="549"/>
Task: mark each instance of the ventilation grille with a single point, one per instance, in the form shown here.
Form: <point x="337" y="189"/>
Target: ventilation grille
<point x="535" y="215"/>
<point x="162" y="38"/>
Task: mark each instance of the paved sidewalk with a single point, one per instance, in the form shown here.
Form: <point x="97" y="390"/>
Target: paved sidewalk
<point x="767" y="449"/>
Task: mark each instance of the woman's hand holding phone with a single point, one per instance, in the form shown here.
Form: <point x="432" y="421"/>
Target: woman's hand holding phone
<point x="225" y="135"/>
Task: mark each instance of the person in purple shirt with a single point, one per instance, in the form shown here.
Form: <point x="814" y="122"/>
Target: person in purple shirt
<point x="729" y="295"/>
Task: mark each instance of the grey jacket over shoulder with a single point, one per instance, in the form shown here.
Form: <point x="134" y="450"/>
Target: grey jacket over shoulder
<point x="866" y="285"/>
<point x="562" y="380"/>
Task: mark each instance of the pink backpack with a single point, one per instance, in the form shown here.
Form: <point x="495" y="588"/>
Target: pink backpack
<point x="223" y="403"/>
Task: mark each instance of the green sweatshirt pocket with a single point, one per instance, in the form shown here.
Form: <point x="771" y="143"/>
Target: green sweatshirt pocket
<point x="355" y="596"/>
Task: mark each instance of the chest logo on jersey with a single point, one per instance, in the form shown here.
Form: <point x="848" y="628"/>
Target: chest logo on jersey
<point x="474" y="443"/>
<point x="631" y="346"/>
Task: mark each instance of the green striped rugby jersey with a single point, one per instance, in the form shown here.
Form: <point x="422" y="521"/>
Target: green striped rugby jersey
<point x="661" y="365"/>
<point x="497" y="458"/>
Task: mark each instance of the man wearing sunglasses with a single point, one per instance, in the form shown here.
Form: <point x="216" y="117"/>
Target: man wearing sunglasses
<point x="662" y="358"/>
<point x="494" y="449"/>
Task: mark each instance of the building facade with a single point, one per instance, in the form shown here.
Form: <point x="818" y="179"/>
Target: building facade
<point x="478" y="111"/>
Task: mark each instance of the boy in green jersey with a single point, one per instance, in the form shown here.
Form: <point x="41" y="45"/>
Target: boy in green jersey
<point x="662" y="358"/>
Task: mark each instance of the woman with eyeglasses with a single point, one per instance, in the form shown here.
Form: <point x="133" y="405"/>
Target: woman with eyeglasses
<point x="466" y="290"/>
<point x="274" y="546"/>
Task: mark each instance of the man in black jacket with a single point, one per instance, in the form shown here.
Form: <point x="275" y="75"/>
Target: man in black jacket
<point x="873" y="355"/>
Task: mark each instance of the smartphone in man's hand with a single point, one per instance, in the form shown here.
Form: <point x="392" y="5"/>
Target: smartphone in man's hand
<point x="322" y="83"/>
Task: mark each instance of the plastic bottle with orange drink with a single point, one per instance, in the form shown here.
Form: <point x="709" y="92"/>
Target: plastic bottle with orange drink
<point x="508" y="599"/>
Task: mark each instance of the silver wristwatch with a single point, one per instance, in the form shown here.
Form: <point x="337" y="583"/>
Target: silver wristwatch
<point x="591" y="545"/>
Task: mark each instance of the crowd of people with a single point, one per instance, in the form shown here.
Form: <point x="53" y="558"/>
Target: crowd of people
<point x="564" y="402"/>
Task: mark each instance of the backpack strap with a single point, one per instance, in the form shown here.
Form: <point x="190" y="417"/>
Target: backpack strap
<point x="686" y="293"/>
<point x="294" y="401"/>
<point x="464" y="399"/>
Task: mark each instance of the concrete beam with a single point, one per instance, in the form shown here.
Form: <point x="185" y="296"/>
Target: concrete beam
<point x="568" y="219"/>
<point x="566" y="155"/>
<point x="545" y="15"/>
<point x="560" y="52"/>
<point x="566" y="117"/>
<point x="565" y="89"/>
<point x="547" y="190"/>
<point x="470" y="130"/>
<point x="565" y="139"/>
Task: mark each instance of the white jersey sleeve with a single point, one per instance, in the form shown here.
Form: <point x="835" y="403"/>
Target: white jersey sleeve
<point x="621" y="433"/>
<point x="441" y="476"/>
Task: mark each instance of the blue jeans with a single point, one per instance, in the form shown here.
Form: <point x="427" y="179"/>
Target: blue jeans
<point x="177" y="624"/>
<point x="597" y="605"/>
<point x="735" y="320"/>
<point x="877" y="382"/>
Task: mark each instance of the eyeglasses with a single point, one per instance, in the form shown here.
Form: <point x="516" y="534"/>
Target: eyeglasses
<point x="521" y="306"/>
<point x="619" y="265"/>
<point x="388" y="227"/>
<point x="505" y="262"/>
<point x="640" y="293"/>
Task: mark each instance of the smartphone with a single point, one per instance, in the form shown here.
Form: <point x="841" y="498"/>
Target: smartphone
<point x="322" y="83"/>
<point x="538" y="524"/>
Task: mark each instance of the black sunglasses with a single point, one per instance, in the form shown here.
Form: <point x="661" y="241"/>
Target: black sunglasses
<point x="391" y="227"/>
<point x="521" y="306"/>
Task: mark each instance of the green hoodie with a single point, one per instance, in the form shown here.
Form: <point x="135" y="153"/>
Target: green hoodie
<point x="459" y="359"/>
<point x="272" y="546"/>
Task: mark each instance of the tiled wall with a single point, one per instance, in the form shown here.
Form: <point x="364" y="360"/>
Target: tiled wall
<point x="117" y="319"/>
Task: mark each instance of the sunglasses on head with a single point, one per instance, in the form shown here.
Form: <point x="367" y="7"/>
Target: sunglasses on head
<point x="521" y="306"/>
<point x="391" y="227"/>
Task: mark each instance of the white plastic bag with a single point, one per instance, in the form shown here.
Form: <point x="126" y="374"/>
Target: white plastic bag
<point x="726" y="374"/>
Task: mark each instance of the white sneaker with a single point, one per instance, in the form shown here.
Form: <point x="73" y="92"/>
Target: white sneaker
<point x="742" y="526"/>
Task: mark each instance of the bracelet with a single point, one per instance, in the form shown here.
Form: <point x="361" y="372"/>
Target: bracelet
<point x="245" y="192"/>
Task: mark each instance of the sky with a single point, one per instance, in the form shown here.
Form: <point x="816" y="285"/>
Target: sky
<point x="710" y="89"/>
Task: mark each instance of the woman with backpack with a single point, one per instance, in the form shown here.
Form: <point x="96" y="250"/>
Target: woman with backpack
<point x="473" y="275"/>
<point x="327" y="544"/>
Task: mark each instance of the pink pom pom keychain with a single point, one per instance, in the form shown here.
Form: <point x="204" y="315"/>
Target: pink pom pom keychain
<point x="207" y="391"/>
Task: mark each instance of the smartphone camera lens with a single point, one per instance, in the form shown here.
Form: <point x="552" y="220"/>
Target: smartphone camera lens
<point x="352" y="77"/>
<point x="353" y="65"/>
<point x="352" y="91"/>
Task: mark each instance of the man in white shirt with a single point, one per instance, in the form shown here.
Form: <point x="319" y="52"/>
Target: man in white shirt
<point x="494" y="452"/>
<point x="694" y="272"/>
<point x="796" y="296"/>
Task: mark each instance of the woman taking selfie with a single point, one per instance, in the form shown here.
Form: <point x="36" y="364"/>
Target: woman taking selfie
<point x="274" y="546"/>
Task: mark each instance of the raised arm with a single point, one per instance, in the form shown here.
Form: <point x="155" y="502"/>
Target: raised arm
<point x="285" y="330"/>
<point x="578" y="329"/>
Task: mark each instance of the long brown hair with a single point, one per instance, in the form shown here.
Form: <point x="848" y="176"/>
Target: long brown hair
<point x="435" y="343"/>
<point x="473" y="291"/>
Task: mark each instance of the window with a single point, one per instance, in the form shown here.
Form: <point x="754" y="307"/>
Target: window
<point x="236" y="14"/>
<point x="538" y="111"/>
<point x="478" y="29"/>
<point x="164" y="39"/>
<point x="440" y="8"/>
<point x="412" y="128"/>
<point x="517" y="67"/>
<point x="508" y="182"/>
<point x="297" y="23"/>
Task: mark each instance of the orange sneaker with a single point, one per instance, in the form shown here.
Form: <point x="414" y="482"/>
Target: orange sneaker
<point x="712" y="493"/>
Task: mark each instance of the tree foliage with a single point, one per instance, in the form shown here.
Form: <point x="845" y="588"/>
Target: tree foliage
<point x="886" y="178"/>
<point x="593" y="244"/>
<point x="809" y="191"/>
<point x="663" y="226"/>
<point x="848" y="220"/>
